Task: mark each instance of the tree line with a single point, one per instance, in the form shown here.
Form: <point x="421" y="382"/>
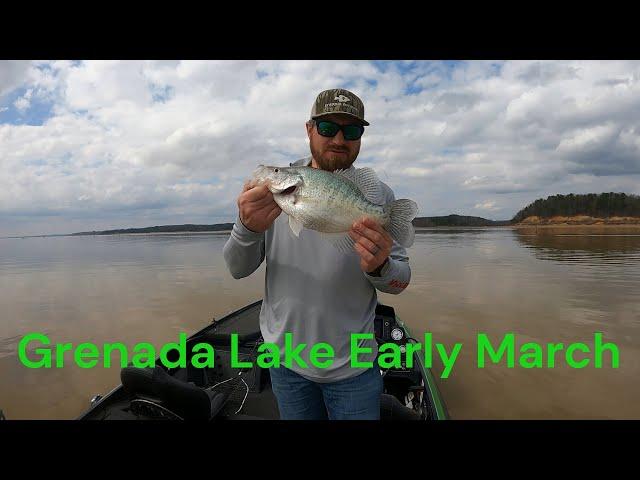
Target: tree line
<point x="163" y="229"/>
<point x="457" y="221"/>
<point x="601" y="205"/>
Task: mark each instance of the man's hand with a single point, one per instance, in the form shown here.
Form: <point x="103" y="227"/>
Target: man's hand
<point x="373" y="244"/>
<point x="257" y="208"/>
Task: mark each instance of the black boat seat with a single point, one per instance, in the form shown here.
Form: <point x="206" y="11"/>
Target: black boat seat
<point x="182" y="398"/>
<point x="392" y="409"/>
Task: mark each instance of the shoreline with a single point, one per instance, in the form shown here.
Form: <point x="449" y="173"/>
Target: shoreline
<point x="186" y="232"/>
<point x="567" y="229"/>
<point x="525" y="229"/>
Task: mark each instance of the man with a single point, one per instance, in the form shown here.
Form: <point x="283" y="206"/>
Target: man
<point x="312" y="290"/>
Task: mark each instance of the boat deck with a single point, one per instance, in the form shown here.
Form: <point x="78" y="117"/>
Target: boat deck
<point x="260" y="403"/>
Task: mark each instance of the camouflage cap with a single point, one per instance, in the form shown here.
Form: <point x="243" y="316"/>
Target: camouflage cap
<point x="338" y="100"/>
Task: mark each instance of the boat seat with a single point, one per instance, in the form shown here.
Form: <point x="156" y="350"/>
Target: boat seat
<point x="392" y="409"/>
<point x="184" y="399"/>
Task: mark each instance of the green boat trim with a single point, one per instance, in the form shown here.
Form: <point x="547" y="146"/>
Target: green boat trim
<point x="440" y="408"/>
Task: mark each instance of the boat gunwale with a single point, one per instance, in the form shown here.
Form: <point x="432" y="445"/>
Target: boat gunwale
<point x="435" y="396"/>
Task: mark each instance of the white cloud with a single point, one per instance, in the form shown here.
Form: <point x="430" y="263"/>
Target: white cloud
<point x="130" y="142"/>
<point x="475" y="180"/>
<point x="12" y="74"/>
<point x="417" y="171"/>
<point x="488" y="205"/>
<point x="24" y="102"/>
<point x="585" y="138"/>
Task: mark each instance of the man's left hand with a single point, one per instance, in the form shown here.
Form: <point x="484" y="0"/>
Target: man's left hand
<point x="372" y="242"/>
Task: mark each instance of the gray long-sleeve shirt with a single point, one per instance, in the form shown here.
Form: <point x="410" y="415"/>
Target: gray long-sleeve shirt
<point x="314" y="291"/>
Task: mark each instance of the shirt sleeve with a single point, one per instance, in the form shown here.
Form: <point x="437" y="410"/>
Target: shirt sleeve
<point x="396" y="274"/>
<point x="244" y="250"/>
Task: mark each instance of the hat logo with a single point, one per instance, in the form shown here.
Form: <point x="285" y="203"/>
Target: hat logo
<point x="342" y="99"/>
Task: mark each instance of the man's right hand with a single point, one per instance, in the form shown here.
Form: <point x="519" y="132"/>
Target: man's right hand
<point x="257" y="207"/>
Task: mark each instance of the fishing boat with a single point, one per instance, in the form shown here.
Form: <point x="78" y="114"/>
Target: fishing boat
<point x="222" y="393"/>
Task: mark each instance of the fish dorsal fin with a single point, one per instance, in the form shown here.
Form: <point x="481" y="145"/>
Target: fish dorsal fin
<point x="366" y="180"/>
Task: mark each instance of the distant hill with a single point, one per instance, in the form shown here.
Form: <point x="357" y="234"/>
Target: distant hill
<point x="618" y="208"/>
<point x="444" y="221"/>
<point x="457" y="221"/>
<point x="603" y="205"/>
<point x="164" y="229"/>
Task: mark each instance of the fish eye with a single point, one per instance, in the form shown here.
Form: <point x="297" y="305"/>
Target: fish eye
<point x="276" y="170"/>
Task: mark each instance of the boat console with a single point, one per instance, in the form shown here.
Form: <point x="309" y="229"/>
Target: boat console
<point x="403" y="386"/>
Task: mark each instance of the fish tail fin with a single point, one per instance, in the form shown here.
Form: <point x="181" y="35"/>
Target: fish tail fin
<point x="401" y="212"/>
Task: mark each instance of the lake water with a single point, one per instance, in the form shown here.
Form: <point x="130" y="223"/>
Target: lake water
<point x="148" y="288"/>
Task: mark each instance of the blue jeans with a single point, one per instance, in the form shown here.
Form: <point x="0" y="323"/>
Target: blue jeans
<point x="356" y="398"/>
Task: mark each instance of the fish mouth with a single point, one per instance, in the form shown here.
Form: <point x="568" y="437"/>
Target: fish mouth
<point x="283" y="191"/>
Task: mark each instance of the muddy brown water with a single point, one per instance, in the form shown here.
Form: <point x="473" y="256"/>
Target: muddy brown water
<point x="149" y="288"/>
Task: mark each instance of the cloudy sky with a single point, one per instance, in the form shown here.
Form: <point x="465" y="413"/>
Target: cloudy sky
<point x="98" y="145"/>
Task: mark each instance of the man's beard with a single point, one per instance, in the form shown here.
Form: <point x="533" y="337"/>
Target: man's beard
<point x="331" y="161"/>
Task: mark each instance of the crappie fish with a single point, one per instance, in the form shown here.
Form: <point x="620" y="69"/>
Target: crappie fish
<point x="330" y="202"/>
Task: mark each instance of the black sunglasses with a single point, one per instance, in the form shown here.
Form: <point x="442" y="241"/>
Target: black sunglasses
<point x="330" y="129"/>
